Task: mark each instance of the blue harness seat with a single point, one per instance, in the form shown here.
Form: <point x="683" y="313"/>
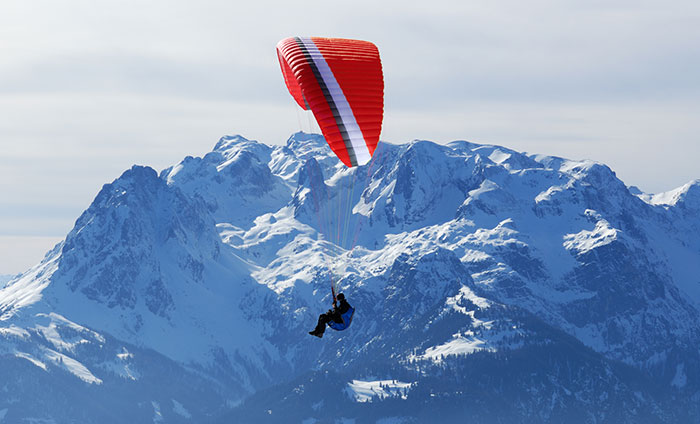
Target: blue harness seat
<point x="347" y="319"/>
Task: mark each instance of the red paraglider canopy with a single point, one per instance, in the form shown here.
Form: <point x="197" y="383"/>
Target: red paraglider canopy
<point x="341" y="82"/>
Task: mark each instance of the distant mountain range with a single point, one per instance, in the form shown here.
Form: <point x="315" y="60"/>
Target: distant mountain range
<point x="489" y="286"/>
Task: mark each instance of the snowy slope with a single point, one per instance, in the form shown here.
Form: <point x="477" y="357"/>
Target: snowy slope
<point x="460" y="259"/>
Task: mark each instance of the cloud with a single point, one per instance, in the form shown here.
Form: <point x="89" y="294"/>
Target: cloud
<point x="19" y="253"/>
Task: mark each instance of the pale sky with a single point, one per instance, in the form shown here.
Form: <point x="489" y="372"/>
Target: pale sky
<point x="90" y="87"/>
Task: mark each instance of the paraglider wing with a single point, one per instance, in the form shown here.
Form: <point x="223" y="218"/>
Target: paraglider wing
<point x="341" y="82"/>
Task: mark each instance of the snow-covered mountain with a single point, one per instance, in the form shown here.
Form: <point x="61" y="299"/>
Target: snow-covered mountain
<point x="489" y="284"/>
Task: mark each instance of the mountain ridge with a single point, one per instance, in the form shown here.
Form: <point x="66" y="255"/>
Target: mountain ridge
<point x="452" y="254"/>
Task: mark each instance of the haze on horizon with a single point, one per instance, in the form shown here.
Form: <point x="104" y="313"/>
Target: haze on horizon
<point x="88" y="89"/>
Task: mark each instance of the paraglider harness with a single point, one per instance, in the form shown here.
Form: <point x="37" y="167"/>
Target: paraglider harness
<point x="346" y="317"/>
